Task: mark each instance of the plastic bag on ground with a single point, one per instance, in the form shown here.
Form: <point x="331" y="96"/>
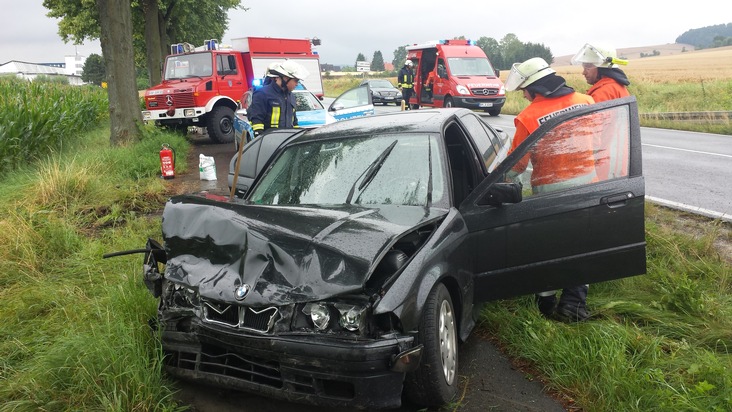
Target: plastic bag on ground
<point x="207" y="167"/>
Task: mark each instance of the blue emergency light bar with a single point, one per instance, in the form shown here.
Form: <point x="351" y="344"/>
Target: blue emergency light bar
<point x="470" y="42"/>
<point x="257" y="83"/>
<point x="210" y="44"/>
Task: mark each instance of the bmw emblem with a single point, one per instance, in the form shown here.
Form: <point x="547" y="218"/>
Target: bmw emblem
<point x="241" y="292"/>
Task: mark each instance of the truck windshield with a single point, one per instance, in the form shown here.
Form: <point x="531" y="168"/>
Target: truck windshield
<point x="182" y="66"/>
<point x="470" y="66"/>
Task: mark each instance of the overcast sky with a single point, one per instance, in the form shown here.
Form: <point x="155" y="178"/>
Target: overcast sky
<point x="347" y="27"/>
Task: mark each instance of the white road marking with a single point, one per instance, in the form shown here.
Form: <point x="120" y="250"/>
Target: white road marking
<point x="687" y="150"/>
<point x="692" y="209"/>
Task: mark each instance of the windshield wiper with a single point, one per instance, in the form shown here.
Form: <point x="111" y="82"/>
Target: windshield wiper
<point x="371" y="171"/>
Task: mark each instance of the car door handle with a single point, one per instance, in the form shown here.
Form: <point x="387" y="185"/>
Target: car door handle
<point x="618" y="200"/>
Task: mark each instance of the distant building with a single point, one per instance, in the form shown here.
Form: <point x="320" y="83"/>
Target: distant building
<point x="325" y="67"/>
<point x="71" y="69"/>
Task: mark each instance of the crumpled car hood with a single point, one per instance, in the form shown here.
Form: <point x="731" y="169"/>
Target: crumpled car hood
<point x="284" y="254"/>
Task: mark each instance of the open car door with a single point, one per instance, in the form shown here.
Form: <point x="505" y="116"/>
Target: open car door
<point x="528" y="239"/>
<point x="352" y="103"/>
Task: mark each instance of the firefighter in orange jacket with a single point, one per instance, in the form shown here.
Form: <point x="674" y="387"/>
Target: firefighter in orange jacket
<point x="600" y="69"/>
<point x="553" y="168"/>
<point x="608" y="82"/>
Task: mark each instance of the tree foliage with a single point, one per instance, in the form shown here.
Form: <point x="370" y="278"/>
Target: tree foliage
<point x="510" y="50"/>
<point x="377" y="62"/>
<point x="177" y="21"/>
<point x="707" y="37"/>
<point x="400" y="55"/>
<point x="94" y="71"/>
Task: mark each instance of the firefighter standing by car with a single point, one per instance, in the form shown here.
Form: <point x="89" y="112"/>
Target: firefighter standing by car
<point x="273" y="106"/>
<point x="549" y="95"/>
<point x="405" y="81"/>
<point x="600" y="69"/>
<point x="608" y="82"/>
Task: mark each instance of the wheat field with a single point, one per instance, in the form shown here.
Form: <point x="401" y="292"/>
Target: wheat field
<point x="688" y="67"/>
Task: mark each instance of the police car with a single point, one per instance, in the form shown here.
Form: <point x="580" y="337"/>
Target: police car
<point x="311" y="113"/>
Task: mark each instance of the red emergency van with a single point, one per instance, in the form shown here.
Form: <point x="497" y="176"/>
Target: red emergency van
<point x="455" y="73"/>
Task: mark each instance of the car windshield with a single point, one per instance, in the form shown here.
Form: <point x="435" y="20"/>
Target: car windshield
<point x="182" y="66"/>
<point x="470" y="66"/>
<point x="383" y="84"/>
<point x="378" y="169"/>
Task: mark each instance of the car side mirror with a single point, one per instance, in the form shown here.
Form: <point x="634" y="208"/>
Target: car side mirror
<point x="498" y="73"/>
<point x="501" y="193"/>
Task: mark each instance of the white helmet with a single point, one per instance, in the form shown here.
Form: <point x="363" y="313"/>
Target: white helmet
<point x="272" y="69"/>
<point x="408" y="63"/>
<point x="523" y="74"/>
<point x="598" y="57"/>
<point x="291" y="69"/>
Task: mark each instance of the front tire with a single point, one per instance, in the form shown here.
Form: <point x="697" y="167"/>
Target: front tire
<point x="221" y="125"/>
<point x="434" y="382"/>
<point x="448" y="102"/>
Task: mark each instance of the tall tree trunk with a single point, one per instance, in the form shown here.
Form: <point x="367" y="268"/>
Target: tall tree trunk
<point x="115" y="21"/>
<point x="152" y="41"/>
<point x="164" y="40"/>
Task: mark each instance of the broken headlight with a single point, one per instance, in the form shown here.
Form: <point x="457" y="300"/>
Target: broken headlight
<point x="329" y="316"/>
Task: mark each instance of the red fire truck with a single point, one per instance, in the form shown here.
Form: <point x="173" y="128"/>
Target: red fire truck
<point x="455" y="73"/>
<point x="202" y="85"/>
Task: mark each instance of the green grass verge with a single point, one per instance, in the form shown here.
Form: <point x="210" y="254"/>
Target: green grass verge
<point x="74" y="334"/>
<point x="658" y="342"/>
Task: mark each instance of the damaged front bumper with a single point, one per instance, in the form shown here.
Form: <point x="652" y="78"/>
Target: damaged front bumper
<point x="303" y="368"/>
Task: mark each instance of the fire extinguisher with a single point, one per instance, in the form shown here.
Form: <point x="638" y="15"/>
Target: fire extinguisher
<point x="167" y="162"/>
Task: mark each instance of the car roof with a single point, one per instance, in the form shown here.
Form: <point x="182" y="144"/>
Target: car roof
<point x="411" y="121"/>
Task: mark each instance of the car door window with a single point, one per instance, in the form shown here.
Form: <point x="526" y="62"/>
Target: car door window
<point x="581" y="151"/>
<point x="358" y="96"/>
<point x="485" y="144"/>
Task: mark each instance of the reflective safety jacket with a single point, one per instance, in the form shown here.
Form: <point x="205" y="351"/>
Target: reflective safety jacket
<point x="272" y="108"/>
<point x="567" y="157"/>
<point x="611" y="152"/>
<point x="607" y="89"/>
<point x="405" y="79"/>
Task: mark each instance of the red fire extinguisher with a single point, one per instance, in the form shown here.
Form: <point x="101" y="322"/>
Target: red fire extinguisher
<point x="167" y="162"/>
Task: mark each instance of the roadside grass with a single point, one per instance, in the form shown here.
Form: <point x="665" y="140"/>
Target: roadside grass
<point x="74" y="334"/>
<point x="658" y="342"/>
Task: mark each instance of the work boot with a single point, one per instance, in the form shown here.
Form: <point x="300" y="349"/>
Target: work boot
<point x="572" y="305"/>
<point x="546" y="304"/>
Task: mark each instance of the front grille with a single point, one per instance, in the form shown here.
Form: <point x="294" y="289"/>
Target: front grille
<point x="219" y="361"/>
<point x="484" y="91"/>
<point x="243" y="317"/>
<point x="176" y="99"/>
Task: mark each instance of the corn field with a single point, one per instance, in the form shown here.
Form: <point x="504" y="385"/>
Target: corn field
<point x="37" y="118"/>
